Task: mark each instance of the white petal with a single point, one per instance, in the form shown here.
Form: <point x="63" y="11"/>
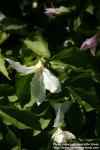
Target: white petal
<point x="38" y="91"/>
<point x="58" y="136"/>
<point x="51" y="82"/>
<point x="69" y="135"/>
<point x="59" y="120"/>
<point x="21" y="68"/>
<point x="93" y="51"/>
<point x="61" y="136"/>
<point x="84" y="46"/>
<point x="60" y="110"/>
<point x="64" y="107"/>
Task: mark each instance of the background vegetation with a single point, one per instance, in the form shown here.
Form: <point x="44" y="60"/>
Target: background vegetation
<point x="23" y="124"/>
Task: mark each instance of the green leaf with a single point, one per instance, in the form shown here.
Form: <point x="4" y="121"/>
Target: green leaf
<point x="90" y="9"/>
<point x="1" y="136"/>
<point x="2" y="16"/>
<point x="39" y="46"/>
<point x="13" y="98"/>
<point x="63" y="9"/>
<point x="73" y="56"/>
<point x="12" y="138"/>
<point x="44" y="123"/>
<point x="58" y="65"/>
<point x="16" y="148"/>
<point x="6" y="90"/>
<point x="23" y="84"/>
<point x="75" y="97"/>
<point x="88" y="96"/>
<point x="2" y="67"/>
<point x="3" y="37"/>
<point x="14" y="27"/>
<point x="19" y="118"/>
<point x="75" y="118"/>
<point x="13" y="24"/>
<point x="30" y="103"/>
<point x="36" y="132"/>
<point x="81" y="78"/>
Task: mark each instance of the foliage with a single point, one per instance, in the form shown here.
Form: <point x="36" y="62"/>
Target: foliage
<point x="28" y="35"/>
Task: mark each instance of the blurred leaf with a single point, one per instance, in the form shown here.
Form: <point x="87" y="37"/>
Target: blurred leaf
<point x="2" y="67"/>
<point x="39" y="46"/>
<point x="13" y="24"/>
<point x="1" y="136"/>
<point x="63" y="9"/>
<point x="3" y="36"/>
<point x="90" y="9"/>
<point x="12" y="138"/>
<point x="14" y="27"/>
<point x="22" y="22"/>
<point x="44" y="122"/>
<point x="13" y="98"/>
<point x="16" y="148"/>
<point x="36" y="132"/>
<point x="2" y="16"/>
<point x="77" y="23"/>
<point x="19" y="118"/>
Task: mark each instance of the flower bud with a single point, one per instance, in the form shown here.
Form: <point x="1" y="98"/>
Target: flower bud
<point x="91" y="44"/>
<point x="51" y="11"/>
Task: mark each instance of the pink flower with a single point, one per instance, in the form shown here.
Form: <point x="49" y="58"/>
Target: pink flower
<point x="91" y="44"/>
<point x="51" y="11"/>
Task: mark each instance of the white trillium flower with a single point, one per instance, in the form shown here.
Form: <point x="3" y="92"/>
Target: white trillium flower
<point x="59" y="120"/>
<point x="43" y="80"/>
<point x="60" y="110"/>
<point x="61" y="136"/>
